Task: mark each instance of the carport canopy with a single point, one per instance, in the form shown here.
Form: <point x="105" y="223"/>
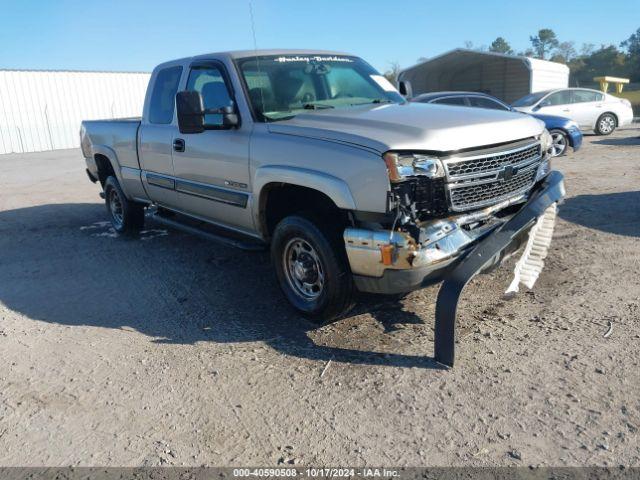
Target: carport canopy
<point x="507" y="77"/>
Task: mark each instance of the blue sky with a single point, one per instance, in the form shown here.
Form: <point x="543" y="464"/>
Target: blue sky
<point x="135" y="35"/>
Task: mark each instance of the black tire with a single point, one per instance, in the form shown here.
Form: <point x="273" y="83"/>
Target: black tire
<point x="606" y="124"/>
<point x="297" y="266"/>
<point x="126" y="216"/>
<point x="560" y="143"/>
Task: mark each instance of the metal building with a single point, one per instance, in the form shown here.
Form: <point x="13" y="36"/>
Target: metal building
<point x="507" y="77"/>
<point x="42" y="109"/>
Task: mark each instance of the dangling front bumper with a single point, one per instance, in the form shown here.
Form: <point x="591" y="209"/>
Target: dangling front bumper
<point x="455" y="257"/>
<point x="486" y="254"/>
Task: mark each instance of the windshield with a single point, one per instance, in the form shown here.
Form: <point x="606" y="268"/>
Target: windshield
<point x="530" y="99"/>
<point x="282" y="86"/>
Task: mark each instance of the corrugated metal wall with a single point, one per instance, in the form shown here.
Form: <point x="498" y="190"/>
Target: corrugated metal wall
<point x="42" y="110"/>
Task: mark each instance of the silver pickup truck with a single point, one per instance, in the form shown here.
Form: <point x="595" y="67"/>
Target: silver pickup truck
<point x="315" y="155"/>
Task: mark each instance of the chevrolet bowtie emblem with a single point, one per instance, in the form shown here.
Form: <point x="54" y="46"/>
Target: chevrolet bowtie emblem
<point x="507" y="173"/>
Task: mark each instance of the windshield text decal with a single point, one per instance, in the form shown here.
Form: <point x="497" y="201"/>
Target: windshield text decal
<point x="314" y="58"/>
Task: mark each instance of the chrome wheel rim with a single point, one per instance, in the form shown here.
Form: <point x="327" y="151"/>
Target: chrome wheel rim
<point x="607" y="124"/>
<point x="559" y="144"/>
<point x="115" y="207"/>
<point x="303" y="269"/>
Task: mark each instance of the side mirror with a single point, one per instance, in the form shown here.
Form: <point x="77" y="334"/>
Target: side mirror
<point x="194" y="118"/>
<point x="536" y="108"/>
<point x="190" y="112"/>
<point x="405" y="88"/>
<point x="230" y="118"/>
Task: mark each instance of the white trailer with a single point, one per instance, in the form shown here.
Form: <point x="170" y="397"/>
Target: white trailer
<point x="42" y="109"/>
<point x="507" y="77"/>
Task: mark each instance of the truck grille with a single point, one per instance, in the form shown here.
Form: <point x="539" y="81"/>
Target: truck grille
<point x="473" y="195"/>
<point x="487" y="164"/>
<point x="481" y="179"/>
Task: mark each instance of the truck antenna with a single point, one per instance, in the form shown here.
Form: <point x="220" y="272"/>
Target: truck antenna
<point x="255" y="48"/>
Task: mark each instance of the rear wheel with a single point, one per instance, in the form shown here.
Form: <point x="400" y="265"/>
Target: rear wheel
<point x="126" y="216"/>
<point x="606" y="124"/>
<point x="312" y="268"/>
<point x="559" y="144"/>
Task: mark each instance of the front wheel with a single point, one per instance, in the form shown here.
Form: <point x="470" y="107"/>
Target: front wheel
<point x="559" y="144"/>
<point x="126" y="216"/>
<point x="606" y="124"/>
<point x="312" y="268"/>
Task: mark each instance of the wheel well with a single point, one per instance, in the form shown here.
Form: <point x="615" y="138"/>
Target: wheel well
<point x="105" y="170"/>
<point x="615" y="117"/>
<point x="279" y="200"/>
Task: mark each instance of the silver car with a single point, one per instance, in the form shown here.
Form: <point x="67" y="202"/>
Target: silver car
<point x="590" y="109"/>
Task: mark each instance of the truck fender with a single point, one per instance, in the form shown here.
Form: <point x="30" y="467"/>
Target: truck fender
<point x="333" y="187"/>
<point x="110" y="154"/>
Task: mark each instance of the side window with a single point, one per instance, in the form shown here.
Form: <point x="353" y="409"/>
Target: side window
<point x="209" y="81"/>
<point x="582" y="96"/>
<point x="482" y="102"/>
<point x="562" y="97"/>
<point x="451" y="101"/>
<point x="163" y="96"/>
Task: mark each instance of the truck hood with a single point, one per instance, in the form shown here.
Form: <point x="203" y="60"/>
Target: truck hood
<point x="411" y="126"/>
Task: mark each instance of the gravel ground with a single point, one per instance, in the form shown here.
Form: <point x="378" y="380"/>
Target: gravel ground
<point x="168" y="350"/>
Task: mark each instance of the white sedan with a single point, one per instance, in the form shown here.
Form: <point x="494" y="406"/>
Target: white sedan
<point x="590" y="109"/>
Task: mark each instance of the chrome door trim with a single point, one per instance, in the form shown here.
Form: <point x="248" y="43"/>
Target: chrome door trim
<point x="159" y="180"/>
<point x="197" y="189"/>
<point x="211" y="192"/>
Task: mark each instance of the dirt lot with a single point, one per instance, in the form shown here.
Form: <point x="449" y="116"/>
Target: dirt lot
<point x="167" y="349"/>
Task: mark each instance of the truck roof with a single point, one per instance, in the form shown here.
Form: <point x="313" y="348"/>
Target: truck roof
<point x="235" y="54"/>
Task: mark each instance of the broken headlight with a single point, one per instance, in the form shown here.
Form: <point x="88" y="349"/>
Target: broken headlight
<point x="403" y="165"/>
<point x="546" y="143"/>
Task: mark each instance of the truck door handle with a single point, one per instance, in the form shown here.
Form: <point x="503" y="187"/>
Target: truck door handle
<point x="566" y="110"/>
<point x="178" y="145"/>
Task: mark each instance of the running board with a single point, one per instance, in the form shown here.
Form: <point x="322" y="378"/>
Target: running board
<point x="250" y="245"/>
<point x="490" y="252"/>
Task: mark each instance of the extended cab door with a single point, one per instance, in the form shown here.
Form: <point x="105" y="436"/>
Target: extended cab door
<point x="156" y="135"/>
<point x="212" y="167"/>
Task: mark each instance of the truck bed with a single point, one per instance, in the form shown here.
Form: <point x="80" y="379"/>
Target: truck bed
<point x="115" y="143"/>
<point x="119" y="135"/>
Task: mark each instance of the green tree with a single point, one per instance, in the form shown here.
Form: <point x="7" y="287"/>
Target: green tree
<point x="392" y="73"/>
<point x="544" y="42"/>
<point x="632" y="45"/>
<point x="564" y="53"/>
<point x="607" y="60"/>
<point x="587" y="49"/>
<point x="500" y="45"/>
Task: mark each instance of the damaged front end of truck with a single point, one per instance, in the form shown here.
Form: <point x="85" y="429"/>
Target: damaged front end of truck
<point x="455" y="215"/>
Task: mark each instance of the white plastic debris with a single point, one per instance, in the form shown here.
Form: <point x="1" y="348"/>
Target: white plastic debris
<point x="531" y="263"/>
